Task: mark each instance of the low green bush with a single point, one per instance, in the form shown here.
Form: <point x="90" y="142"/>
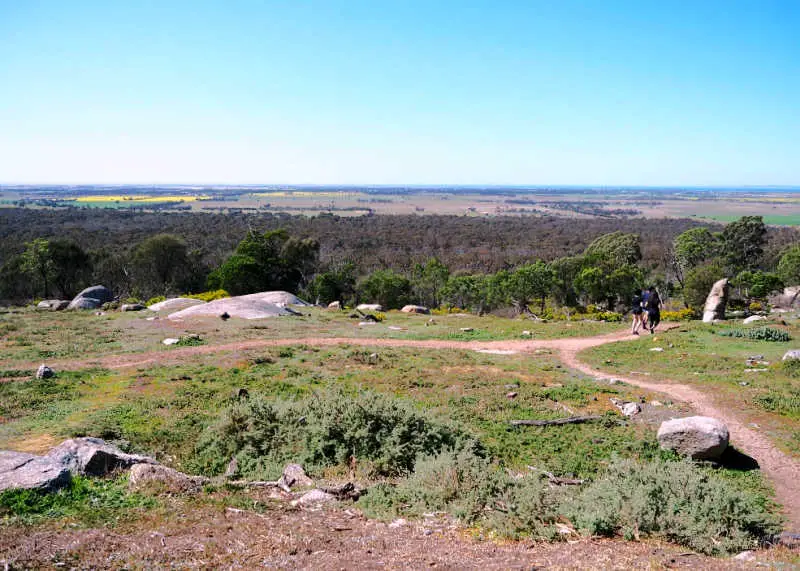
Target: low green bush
<point x="787" y="404"/>
<point x="677" y="501"/>
<point x="156" y="299"/>
<point x="328" y="429"/>
<point x="759" y="334"/>
<point x="472" y="489"/>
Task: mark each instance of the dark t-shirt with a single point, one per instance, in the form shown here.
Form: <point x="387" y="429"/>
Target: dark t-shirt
<point x="653" y="302"/>
<point x="637" y="304"/>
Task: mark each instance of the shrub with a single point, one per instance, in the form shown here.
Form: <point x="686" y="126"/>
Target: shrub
<point x="756" y="307"/>
<point x="785" y="404"/>
<point x="686" y="314"/>
<point x="610" y="316"/>
<point x="759" y="334"/>
<point x="324" y="430"/>
<point x="209" y="295"/>
<point x="472" y="489"/>
<point x="156" y="299"/>
<point x="676" y="501"/>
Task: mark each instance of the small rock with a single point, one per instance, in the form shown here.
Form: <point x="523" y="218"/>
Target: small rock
<point x="427" y="532"/>
<point x="365" y="323"/>
<point x="526" y="333"/>
<point x="224" y="316"/>
<point x="132" y="307"/>
<point x="396" y="328"/>
<point x="44" y="372"/>
<point x="398" y="523"/>
<point x="631" y="409"/>
<point x="335" y="305"/>
<point x="793" y="354"/>
<point x="166" y="479"/>
<point x="171" y="341"/>
<point x="745" y="556"/>
<point x="467" y="329"/>
<point x="511" y="395"/>
<point x="753" y="319"/>
<point x="511" y="386"/>
<point x="657" y="349"/>
<point x="655" y="403"/>
<point x="295" y="477"/>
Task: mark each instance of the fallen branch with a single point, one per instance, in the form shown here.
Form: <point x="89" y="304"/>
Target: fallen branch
<point x="556" y="422"/>
<point x="347" y="491"/>
<point x="276" y="484"/>
<point x="553" y="479"/>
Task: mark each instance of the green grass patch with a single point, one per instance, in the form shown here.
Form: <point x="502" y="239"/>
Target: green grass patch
<point x="87" y="502"/>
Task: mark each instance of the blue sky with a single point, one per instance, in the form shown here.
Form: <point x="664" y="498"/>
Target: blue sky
<point x="605" y="93"/>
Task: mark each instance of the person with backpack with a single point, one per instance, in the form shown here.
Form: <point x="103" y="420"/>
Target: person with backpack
<point x="653" y="306"/>
<point x="636" y="311"/>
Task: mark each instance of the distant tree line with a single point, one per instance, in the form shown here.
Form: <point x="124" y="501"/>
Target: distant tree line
<point x="463" y="272"/>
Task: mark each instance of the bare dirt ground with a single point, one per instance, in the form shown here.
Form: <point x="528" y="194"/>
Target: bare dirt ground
<point x="328" y="539"/>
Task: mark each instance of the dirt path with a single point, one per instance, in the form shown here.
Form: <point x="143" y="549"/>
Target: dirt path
<point x="782" y="471"/>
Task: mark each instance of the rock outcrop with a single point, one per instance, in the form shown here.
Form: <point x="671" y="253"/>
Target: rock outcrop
<point x="789" y="300"/>
<point x="91" y="298"/>
<point x="416" y="309"/>
<point x="89" y="456"/>
<point x="716" y="301"/>
<point x="19" y="470"/>
<point x="175" y="304"/>
<point x="699" y="437"/>
<point x="251" y="306"/>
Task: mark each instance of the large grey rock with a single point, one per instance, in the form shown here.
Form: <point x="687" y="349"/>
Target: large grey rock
<point x="716" y="301"/>
<point x="91" y="298"/>
<point x="786" y="301"/>
<point x="335" y="305"/>
<point x="370" y="307"/>
<point x="753" y="319"/>
<point x="53" y="304"/>
<point x="163" y="478"/>
<point x="93" y="457"/>
<point x="791" y="354"/>
<point x="699" y="437"/>
<point x="416" y="309"/>
<point x="19" y="470"/>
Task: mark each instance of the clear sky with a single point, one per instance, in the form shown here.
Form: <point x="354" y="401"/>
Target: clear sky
<point x="695" y="92"/>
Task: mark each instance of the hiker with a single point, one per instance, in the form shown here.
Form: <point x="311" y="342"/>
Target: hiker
<point x="645" y="297"/>
<point x="653" y="306"/>
<point x="636" y="310"/>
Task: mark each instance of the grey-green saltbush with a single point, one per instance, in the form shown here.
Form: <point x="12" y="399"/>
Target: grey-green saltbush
<point x="678" y="501"/>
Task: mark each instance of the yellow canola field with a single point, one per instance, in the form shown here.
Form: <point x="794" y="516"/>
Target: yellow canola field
<point x="141" y="198"/>
<point x="301" y="193"/>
